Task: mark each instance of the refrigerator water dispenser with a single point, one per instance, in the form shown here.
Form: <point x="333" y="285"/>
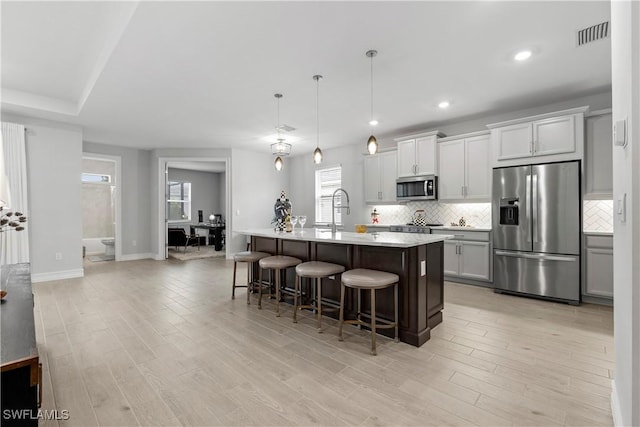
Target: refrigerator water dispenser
<point x="509" y="211"/>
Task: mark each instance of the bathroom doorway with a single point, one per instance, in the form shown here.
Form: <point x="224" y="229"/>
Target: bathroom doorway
<point x="101" y="240"/>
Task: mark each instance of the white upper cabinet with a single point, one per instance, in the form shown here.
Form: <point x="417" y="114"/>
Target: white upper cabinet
<point x="418" y="154"/>
<point x="465" y="168"/>
<point x="380" y="177"/>
<point x="598" y="156"/>
<point x="551" y="137"/>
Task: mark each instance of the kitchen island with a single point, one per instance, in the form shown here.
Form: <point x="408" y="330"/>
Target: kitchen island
<point x="416" y="258"/>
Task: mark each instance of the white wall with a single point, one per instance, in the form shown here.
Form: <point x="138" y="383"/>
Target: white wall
<point x="135" y="197"/>
<point x="54" y="167"/>
<point x="302" y="194"/>
<point x="596" y="101"/>
<point x="255" y="187"/>
<point x="205" y="193"/>
<point x="625" y="43"/>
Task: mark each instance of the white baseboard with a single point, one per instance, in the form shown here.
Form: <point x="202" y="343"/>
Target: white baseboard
<point x="159" y="257"/>
<point x="134" y="257"/>
<point x="615" y="405"/>
<point x="57" y="275"/>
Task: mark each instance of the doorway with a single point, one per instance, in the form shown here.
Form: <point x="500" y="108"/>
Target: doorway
<point x="101" y="229"/>
<point x="194" y="196"/>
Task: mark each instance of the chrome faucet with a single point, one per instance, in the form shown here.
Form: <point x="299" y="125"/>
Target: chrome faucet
<point x="333" y="208"/>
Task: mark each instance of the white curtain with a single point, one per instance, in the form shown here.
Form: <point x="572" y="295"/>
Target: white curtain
<point x="14" y="245"/>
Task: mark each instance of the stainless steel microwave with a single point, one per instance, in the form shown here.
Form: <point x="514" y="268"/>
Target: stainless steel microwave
<point x="417" y="188"/>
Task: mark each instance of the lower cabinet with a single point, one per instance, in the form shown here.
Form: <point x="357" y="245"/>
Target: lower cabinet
<point x="598" y="259"/>
<point x="468" y="256"/>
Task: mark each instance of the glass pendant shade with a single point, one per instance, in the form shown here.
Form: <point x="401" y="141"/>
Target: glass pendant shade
<point x="278" y="163"/>
<point x="317" y="156"/>
<point x="372" y="145"/>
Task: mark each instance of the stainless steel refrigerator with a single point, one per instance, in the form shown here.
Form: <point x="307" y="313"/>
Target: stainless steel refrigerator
<point x="536" y="230"/>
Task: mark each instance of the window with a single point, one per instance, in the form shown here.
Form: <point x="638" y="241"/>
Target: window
<point x="179" y="201"/>
<point x="327" y="181"/>
<point x="94" y="178"/>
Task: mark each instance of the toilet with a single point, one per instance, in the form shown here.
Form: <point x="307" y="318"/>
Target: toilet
<point x="109" y="246"/>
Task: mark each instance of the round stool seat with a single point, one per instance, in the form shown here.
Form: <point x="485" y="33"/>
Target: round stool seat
<point x="276" y="263"/>
<point x="368" y="279"/>
<point x="318" y="269"/>
<point x="279" y="261"/>
<point x="249" y="256"/>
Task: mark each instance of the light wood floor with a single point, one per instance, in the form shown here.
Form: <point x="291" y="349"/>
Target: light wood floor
<point x="161" y="343"/>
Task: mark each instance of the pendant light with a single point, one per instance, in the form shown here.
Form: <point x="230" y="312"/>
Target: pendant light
<point x="317" y="153"/>
<point x="372" y="143"/>
<point x="280" y="148"/>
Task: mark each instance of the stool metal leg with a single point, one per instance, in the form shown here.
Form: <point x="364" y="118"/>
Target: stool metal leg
<point x="296" y="289"/>
<point x="260" y="289"/>
<point x="319" y="304"/>
<point x="341" y="321"/>
<point x="233" y="287"/>
<point x="277" y="273"/>
<point x="395" y="303"/>
<point x="249" y="267"/>
<point x="373" y="322"/>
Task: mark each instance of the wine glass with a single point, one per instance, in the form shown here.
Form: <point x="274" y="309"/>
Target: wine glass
<point x="302" y="219"/>
<point x="294" y="221"/>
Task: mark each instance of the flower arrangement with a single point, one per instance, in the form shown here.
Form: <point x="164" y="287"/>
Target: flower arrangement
<point x="11" y="220"/>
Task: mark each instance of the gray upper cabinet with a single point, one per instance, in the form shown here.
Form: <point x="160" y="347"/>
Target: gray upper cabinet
<point x="598" y="156"/>
<point x="545" y="138"/>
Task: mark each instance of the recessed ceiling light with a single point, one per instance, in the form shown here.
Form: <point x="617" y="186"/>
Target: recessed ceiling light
<point x="522" y="55"/>
<point x="373" y="122"/>
<point x="444" y="104"/>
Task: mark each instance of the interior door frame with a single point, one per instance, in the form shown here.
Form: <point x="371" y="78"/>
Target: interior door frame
<point x="118" y="168"/>
<point x="162" y="248"/>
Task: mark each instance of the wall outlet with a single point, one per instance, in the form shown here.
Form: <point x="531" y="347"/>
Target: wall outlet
<point x="134" y="243"/>
<point x="237" y="212"/>
<point x="58" y="256"/>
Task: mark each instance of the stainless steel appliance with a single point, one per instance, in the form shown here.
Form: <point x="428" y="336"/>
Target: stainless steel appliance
<point x="536" y="230"/>
<point x="410" y="228"/>
<point x="423" y="187"/>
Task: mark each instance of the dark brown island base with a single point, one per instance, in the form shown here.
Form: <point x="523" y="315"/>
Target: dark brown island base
<point x="416" y="258"/>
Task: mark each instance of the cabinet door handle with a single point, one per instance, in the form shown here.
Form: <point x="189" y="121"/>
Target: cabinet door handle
<point x="460" y="251"/>
<point x="531" y="147"/>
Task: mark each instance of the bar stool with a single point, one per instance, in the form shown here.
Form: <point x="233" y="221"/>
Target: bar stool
<point x="276" y="263"/>
<point x="361" y="278"/>
<point x="313" y="270"/>
<point x="249" y="257"/>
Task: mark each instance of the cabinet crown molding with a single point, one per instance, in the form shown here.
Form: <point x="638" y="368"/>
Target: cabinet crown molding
<point x="420" y="135"/>
<point x="539" y="117"/>
<point x="465" y="135"/>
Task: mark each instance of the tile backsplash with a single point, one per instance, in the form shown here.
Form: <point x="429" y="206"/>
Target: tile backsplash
<point x="597" y="215"/>
<point x="475" y="214"/>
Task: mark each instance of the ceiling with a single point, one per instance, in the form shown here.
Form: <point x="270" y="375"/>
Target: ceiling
<point x="203" y="74"/>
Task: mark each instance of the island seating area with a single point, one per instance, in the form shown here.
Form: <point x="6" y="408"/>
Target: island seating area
<point x="417" y="260"/>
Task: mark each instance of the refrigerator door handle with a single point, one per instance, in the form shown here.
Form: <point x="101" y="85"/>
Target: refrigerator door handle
<point x="534" y="207"/>
<point x="527" y="198"/>
<point x="541" y="257"/>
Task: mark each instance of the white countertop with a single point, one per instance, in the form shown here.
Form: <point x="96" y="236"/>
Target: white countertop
<point x="387" y="239"/>
<point x="458" y="228"/>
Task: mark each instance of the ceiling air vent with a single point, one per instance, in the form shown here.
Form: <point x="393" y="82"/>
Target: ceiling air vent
<point x="593" y="33"/>
<point x="285" y="128"/>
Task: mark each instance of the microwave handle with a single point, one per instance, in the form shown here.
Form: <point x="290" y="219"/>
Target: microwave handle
<point x="426" y="187"/>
